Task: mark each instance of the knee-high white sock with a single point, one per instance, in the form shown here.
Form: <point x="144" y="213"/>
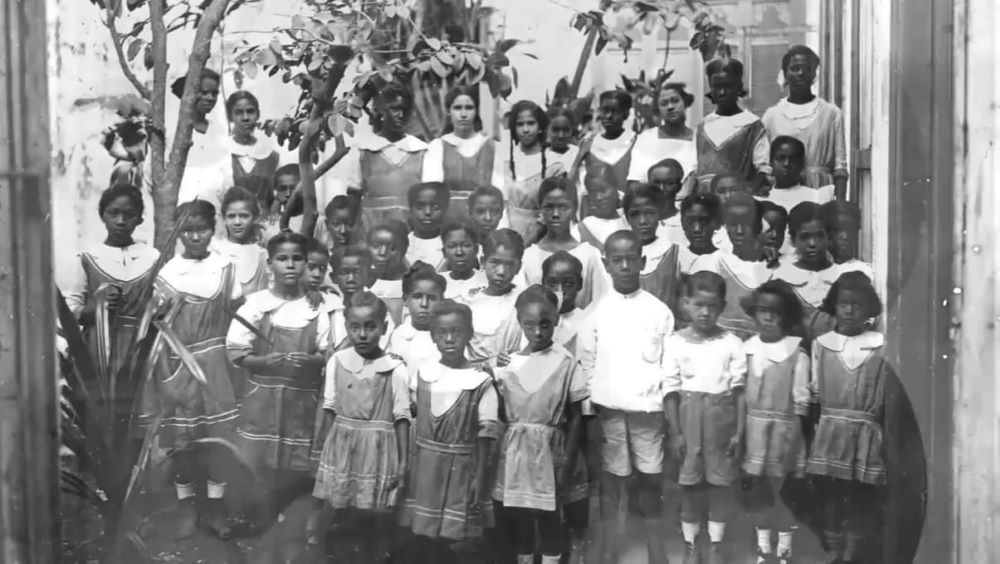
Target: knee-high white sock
<point x="716" y="531"/>
<point x="690" y="531"/>
<point x="184" y="491"/>
<point x="216" y="489"/>
<point x="764" y="540"/>
<point x="784" y="542"/>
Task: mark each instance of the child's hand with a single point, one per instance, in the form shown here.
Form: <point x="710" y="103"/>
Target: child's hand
<point x="302" y="360"/>
<point x="503" y="359"/>
<point x="475" y="494"/>
<point x="112" y="296"/>
<point x="399" y="480"/>
<point x="735" y="450"/>
<point x="678" y="447"/>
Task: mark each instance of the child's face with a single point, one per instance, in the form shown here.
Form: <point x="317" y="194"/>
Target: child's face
<point x="527" y="129"/>
<point x="288" y="263"/>
<point x="284" y="185"/>
<point x="767" y="316"/>
<point x="667" y="179"/>
<point x="383" y="247"/>
<point x="725" y="90"/>
<point x="427" y="213"/>
<point x="565" y="281"/>
<point x="462" y="114"/>
<point x="459" y="251"/>
<point x="851" y="312"/>
<point x="612" y="116"/>
<point x="451" y="334"/>
<point x="774" y="236"/>
<point x="121" y="217"/>
<point x="364" y="329"/>
<point x="208" y="95"/>
<point x="393" y="113"/>
<point x="845" y="238"/>
<point x="739" y="221"/>
<point x="422" y="298"/>
<point x="538" y="322"/>
<point x="239" y="220"/>
<point x="699" y="225"/>
<point x="316" y="267"/>
<point x="353" y="275"/>
<point x="811" y="242"/>
<point x="671" y="106"/>
<point x="800" y="74"/>
<point x="624" y="262"/>
<point x="501" y="268"/>
<point x="485" y="212"/>
<point x="603" y="199"/>
<point x="703" y="309"/>
<point x="196" y="235"/>
<point x="727" y="186"/>
<point x="339" y="225"/>
<point x="244" y="115"/>
<point x="643" y="217"/>
<point x="787" y="166"/>
<point x="558" y="210"/>
<point x="560" y="133"/>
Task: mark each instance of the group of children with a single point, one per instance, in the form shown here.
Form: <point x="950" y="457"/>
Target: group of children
<point x="455" y="376"/>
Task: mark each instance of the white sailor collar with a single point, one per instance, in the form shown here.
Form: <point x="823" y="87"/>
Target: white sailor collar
<point x="869" y="340"/>
<point x="796" y="276"/>
<point x="259" y="150"/>
<point x="433" y="372"/>
<point x="744" y="118"/>
<point x="798" y="111"/>
<point x="408" y="143"/>
<point x="477" y="140"/>
<point x="778" y="351"/>
<point x="355" y="363"/>
<point x="267" y="302"/>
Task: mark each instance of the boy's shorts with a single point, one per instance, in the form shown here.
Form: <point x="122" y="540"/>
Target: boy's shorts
<point x="631" y="438"/>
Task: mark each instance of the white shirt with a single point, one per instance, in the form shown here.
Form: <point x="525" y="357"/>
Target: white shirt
<point x="494" y="324"/>
<point x="365" y="369"/>
<point x="121" y="263"/>
<point x="201" y="278"/>
<point x="691" y="263"/>
<point x="720" y="129"/>
<point x="415" y="347"/>
<point x="749" y="273"/>
<point x="650" y="149"/>
<point x="427" y="251"/>
<point x="434" y="162"/>
<point x="463" y="290"/>
<point x="621" y="351"/>
<point x="761" y="356"/>
<point x="602" y="228"/>
<point x="394" y="152"/>
<point x="671" y="230"/>
<point x="290" y="314"/>
<point x="654" y="253"/>
<point x="447" y="384"/>
<point x="596" y="281"/>
<point x="713" y="366"/>
<point x="853" y="351"/>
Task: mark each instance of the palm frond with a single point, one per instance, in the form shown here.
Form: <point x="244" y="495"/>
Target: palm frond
<point x="139" y="546"/>
<point x="83" y="370"/>
<point x="71" y="482"/>
<point x="102" y="325"/>
<point x="177" y="346"/>
<point x="239" y="319"/>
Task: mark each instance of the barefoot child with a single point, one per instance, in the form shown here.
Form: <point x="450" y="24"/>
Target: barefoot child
<point x="541" y="391"/>
<point x="423" y="288"/>
<point x="366" y="405"/>
<point x="604" y="217"/>
<point x="743" y="269"/>
<point x="496" y="334"/>
<point x="277" y="418"/>
<point x="455" y="427"/>
<point x="706" y="373"/>
<point x="460" y="246"/>
<point x="241" y="245"/>
<point x="661" y="274"/>
<point x="428" y="206"/>
<point x="205" y="286"/>
<point x="778" y="397"/>
<point x="852" y="382"/>
<point x="388" y="244"/>
<point x="625" y="335"/>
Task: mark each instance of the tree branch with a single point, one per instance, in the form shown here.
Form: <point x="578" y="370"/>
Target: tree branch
<point x="116" y="39"/>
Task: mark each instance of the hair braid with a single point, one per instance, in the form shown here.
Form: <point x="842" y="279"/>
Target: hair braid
<point x="543" y="161"/>
<point x="513" y="175"/>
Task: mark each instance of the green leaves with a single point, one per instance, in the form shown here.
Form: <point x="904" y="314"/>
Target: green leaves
<point x="134" y="47"/>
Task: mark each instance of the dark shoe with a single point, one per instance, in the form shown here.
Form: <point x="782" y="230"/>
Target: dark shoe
<point x="216" y="519"/>
<point x="187" y="517"/>
<point x="691" y="555"/>
<point x="764" y="557"/>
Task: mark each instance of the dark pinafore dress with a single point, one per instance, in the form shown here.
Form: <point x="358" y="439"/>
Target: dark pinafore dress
<point x="614" y="174"/>
<point x="734" y="156"/>
<point x="259" y="181"/>
<point x="775" y="445"/>
<point x="277" y="418"/>
<point x="733" y="317"/>
<point x="664" y="281"/>
<point x="442" y="468"/>
<point x="463" y="174"/>
<point x="192" y="410"/>
<point x="385" y="186"/>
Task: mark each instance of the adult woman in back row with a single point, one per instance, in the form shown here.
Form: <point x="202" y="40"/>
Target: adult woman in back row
<point x="672" y="139"/>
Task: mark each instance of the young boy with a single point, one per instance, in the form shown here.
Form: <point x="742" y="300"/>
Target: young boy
<point x="788" y="159"/>
<point x="701" y="217"/>
<point x="744" y="269"/>
<point x="340" y="222"/>
<point x="428" y="205"/>
<point x="668" y="176"/>
<point x="604" y="216"/>
<point x="460" y="242"/>
<point x="625" y="336"/>
<point x="660" y="275"/>
<point x="497" y="333"/>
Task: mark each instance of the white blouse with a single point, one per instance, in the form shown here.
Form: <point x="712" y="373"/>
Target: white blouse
<point x="428" y="251"/>
<point x="463" y="290"/>
<point x="121" y="263"/>
<point x="712" y="366"/>
<point x="809" y="285"/>
<point x="434" y="162"/>
<point x="290" y="314"/>
<point x="246" y="258"/>
<point x="415" y="347"/>
<point x="650" y="149"/>
<point x="201" y="278"/>
<point x="853" y="351"/>
<point x="691" y="263"/>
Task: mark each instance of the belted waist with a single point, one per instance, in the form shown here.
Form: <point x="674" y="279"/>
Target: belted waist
<point x="850" y="414"/>
<point x="444" y="448"/>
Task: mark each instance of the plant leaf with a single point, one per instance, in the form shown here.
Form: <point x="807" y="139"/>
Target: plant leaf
<point x="186" y="357"/>
<point x="71" y="482"/>
<point x="83" y="364"/>
<point x="434" y="43"/>
<point x="439" y="68"/>
<point x="134" y="47"/>
<point x="474" y="60"/>
<point x="249" y="69"/>
<point x="505" y="45"/>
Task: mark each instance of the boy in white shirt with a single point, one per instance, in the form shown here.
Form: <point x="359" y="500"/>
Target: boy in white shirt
<point x="621" y="356"/>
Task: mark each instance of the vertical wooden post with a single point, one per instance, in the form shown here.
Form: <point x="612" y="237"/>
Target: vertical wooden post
<point x="29" y="433"/>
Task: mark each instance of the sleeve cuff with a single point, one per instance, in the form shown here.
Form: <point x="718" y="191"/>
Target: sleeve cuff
<point x="587" y="408"/>
<point x="802" y="409"/>
<point x="489" y="430"/>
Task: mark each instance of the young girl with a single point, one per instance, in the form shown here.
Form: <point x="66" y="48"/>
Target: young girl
<point x="604" y="216"/>
<point x="706" y="410"/>
<point x="254" y="159"/>
<point x="241" y="245"/>
<point x="496" y="333"/>
<point x="743" y="269"/>
<point x="428" y="206"/>
<point x="788" y="159"/>
<point x="114" y="272"/>
<point x="455" y="427"/>
<point x="388" y="243"/>
<point x="673" y="139"/>
<point x="660" y="275"/>
<point x="778" y="397"/>
<point x="852" y="381"/>
<point x="528" y="164"/>
<point x="731" y="140"/>
<point x="286" y="179"/>
<point x="561" y="134"/>
<point x="541" y="391"/>
<point x="486" y="207"/>
<point x="812" y="273"/>
<point x="462" y="158"/>
<point x="607" y="156"/>
<point x="341" y="221"/>
<point x="423" y="288"/>
<point x="557" y="200"/>
<point x="772" y="238"/>
<point x="351" y="270"/>
<point x="277" y="418"/>
<point x="366" y="406"/>
<point x="460" y="245"/>
<point x="701" y="217"/>
<point x="844" y="219"/>
<point x="205" y="286"/>
<point x="818" y="123"/>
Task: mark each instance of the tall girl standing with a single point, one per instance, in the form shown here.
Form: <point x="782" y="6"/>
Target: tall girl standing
<point x="278" y="414"/>
<point x="607" y="156"/>
<point x="672" y="139"/>
<point x="814" y="121"/>
<point x="463" y="158"/>
<point x="253" y="158"/>
<point x="527" y="164"/>
<point x="241" y="245"/>
<point x="204" y="285"/>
